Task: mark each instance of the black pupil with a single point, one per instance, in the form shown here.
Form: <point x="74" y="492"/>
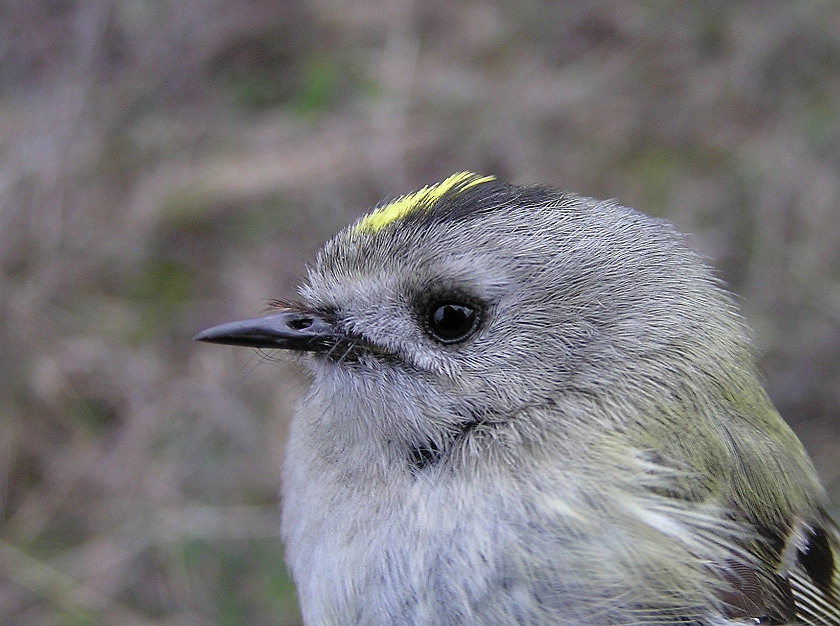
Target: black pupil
<point x="451" y="321"/>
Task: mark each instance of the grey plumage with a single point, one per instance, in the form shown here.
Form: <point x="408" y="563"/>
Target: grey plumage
<point x="595" y="449"/>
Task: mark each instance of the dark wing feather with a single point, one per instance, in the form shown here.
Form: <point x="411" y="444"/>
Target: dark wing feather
<point x="814" y="578"/>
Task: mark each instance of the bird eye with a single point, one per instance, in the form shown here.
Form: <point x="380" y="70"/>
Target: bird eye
<point x="451" y="322"/>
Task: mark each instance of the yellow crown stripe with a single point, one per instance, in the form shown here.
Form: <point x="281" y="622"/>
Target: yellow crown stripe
<point x="418" y="200"/>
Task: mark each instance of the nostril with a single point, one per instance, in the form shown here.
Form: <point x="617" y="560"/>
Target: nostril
<point x="301" y="323"/>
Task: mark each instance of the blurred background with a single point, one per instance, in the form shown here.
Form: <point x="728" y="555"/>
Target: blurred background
<point x="166" y="165"/>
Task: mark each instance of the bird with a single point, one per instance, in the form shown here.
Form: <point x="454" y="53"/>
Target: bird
<point x="533" y="407"/>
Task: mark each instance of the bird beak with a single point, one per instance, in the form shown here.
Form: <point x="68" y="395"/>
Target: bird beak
<point x="290" y="329"/>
